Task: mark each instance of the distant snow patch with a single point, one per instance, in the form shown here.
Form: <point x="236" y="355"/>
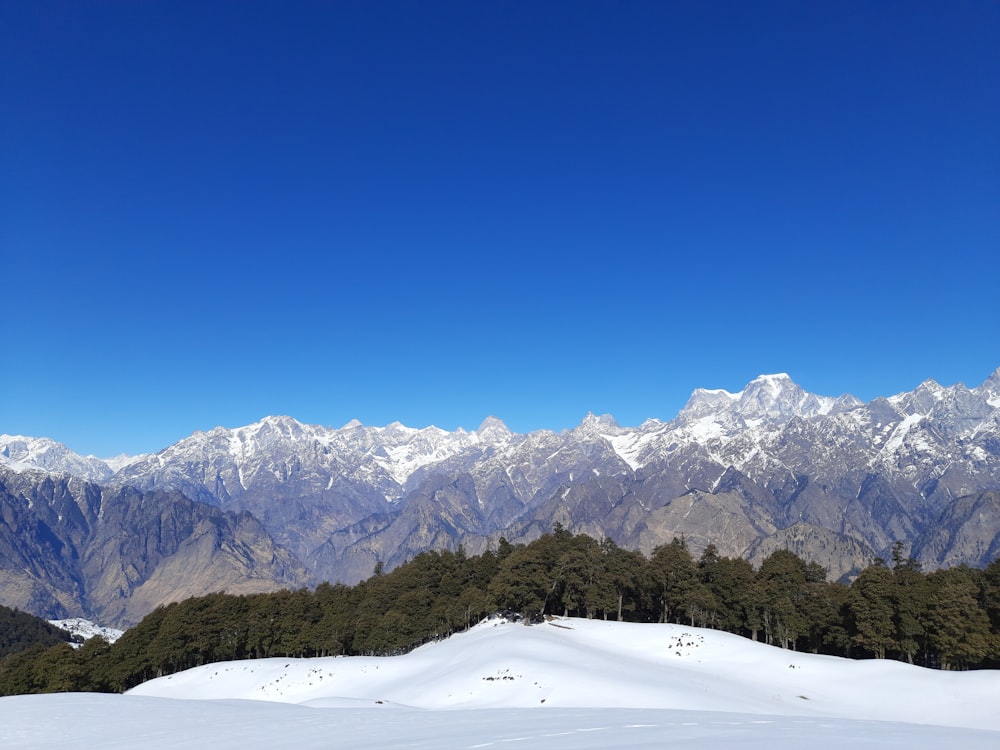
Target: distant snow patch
<point x="87" y="629"/>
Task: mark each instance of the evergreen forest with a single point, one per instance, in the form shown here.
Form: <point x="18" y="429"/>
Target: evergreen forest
<point x="20" y="631"/>
<point x="946" y="619"/>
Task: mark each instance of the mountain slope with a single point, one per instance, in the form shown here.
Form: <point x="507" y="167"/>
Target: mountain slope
<point x="70" y="547"/>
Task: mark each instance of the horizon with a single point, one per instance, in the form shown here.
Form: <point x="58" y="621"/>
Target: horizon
<point x="354" y="422"/>
<point x="440" y="212"/>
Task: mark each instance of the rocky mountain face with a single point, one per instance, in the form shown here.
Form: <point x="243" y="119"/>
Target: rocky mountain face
<point x="771" y="467"/>
<point x="70" y="547"/>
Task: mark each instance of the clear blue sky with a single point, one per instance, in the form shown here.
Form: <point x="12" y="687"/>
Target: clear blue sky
<point x="432" y="212"/>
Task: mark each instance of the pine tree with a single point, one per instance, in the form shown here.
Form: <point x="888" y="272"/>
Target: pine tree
<point x="909" y="603"/>
<point x="781" y="585"/>
<point x="958" y="629"/>
<point x="622" y="578"/>
<point x="673" y="581"/>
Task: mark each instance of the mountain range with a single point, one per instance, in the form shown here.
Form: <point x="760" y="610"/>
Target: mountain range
<point x="279" y="503"/>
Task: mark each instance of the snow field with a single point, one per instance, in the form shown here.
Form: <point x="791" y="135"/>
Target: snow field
<point x="577" y="663"/>
<point x="567" y="683"/>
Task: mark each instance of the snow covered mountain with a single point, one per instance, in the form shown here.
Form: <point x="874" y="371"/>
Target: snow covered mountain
<point x="21" y="453"/>
<point x="772" y="466"/>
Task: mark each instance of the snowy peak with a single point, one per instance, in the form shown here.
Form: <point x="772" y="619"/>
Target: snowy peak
<point x="493" y="430"/>
<point x="271" y="430"/>
<point x="844" y="403"/>
<point x="401" y="451"/>
<point x="281" y="447"/>
<point x="777" y="397"/>
<point x="598" y="425"/>
<point x="931" y="399"/>
<point x="704" y="401"/>
<point x="766" y="398"/>
<point x="990" y="389"/>
<point x="268" y="436"/>
<point x="922" y="400"/>
<point x="20" y="453"/>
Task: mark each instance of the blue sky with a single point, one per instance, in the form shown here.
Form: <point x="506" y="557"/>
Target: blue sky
<point x="432" y="212"/>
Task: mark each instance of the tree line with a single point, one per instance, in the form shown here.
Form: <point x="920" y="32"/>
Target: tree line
<point x="20" y="630"/>
<point x="947" y="619"/>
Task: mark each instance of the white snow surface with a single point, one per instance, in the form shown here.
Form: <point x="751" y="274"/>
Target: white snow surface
<point x="21" y="453"/>
<point x="87" y="629"/>
<point x="568" y="683"/>
<point x="895" y="441"/>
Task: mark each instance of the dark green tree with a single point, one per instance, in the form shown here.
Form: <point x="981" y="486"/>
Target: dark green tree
<point x="673" y="582"/>
<point x="525" y="582"/>
<point x="622" y="581"/>
<point x="958" y="629"/>
<point x="871" y="607"/>
<point x="910" y="601"/>
<point x="731" y="582"/>
<point x="779" y="590"/>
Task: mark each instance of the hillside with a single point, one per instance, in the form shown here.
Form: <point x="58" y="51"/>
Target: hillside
<point x="567" y="683"/>
<point x="580" y="663"/>
<point x="20" y="631"/>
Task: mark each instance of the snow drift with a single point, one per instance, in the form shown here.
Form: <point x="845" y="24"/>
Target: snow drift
<point x="569" y="683"/>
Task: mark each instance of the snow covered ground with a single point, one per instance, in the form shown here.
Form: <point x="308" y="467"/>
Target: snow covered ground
<point x="86" y="629"/>
<point x="567" y="683"/>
